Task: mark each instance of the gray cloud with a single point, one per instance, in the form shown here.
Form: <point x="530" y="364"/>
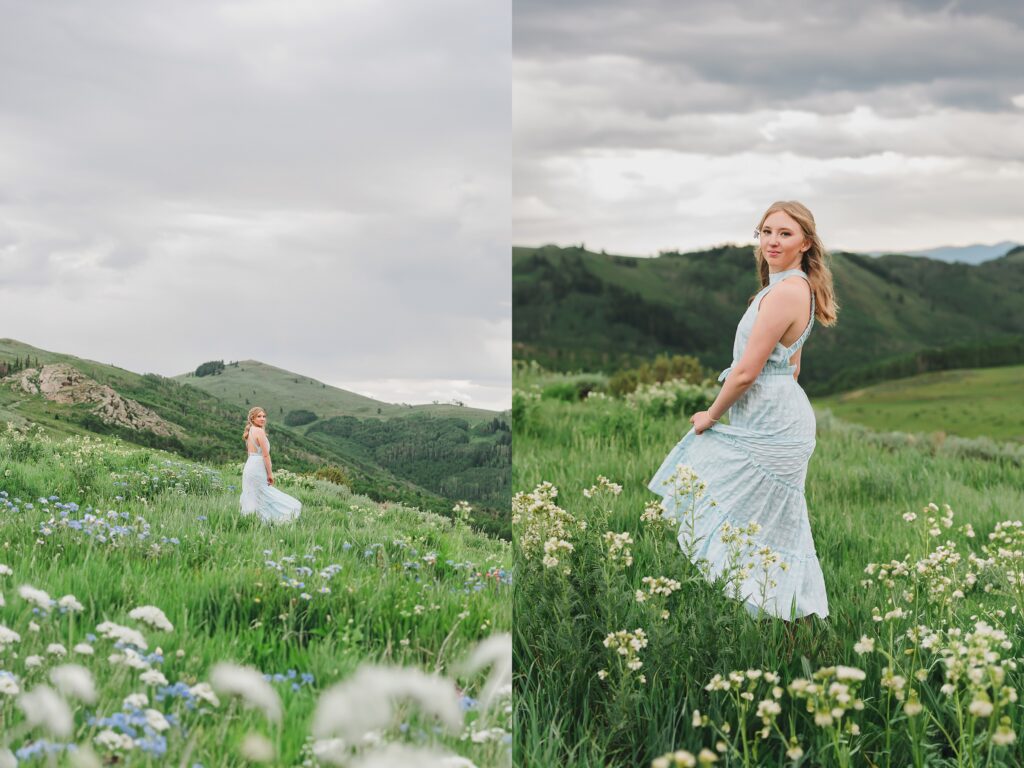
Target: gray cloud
<point x="607" y="96"/>
<point x="319" y="185"/>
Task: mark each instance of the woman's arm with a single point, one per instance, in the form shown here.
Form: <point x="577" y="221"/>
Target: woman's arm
<point x="261" y="438"/>
<point x="776" y="314"/>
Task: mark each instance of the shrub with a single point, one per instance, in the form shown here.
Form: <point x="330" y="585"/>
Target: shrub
<point x="299" y="417"/>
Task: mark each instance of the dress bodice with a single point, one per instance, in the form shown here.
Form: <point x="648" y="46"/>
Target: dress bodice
<point x="259" y="448"/>
<point x="778" y="360"/>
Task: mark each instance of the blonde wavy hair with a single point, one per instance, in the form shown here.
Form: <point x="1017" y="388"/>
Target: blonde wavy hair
<point x="814" y="264"/>
<point x="253" y="413"/>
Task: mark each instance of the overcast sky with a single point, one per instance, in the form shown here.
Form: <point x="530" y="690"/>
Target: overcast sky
<point x="653" y="125"/>
<point x="323" y="186"/>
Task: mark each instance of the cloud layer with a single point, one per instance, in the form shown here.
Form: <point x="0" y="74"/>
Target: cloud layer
<point x="323" y="186"/>
<point x="654" y="125"/>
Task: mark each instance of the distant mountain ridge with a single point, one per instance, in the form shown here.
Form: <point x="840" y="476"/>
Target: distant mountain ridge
<point x="576" y="309"/>
<point x="965" y="254"/>
<point x="423" y="458"/>
<point x="258" y="383"/>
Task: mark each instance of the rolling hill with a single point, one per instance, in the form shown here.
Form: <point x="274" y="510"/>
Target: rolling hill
<point x="575" y="309"/>
<point x="983" y="402"/>
<point x="251" y="380"/>
<point x="424" y="459"/>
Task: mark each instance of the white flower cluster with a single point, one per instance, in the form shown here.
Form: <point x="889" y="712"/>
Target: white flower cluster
<point x="602" y="486"/>
<point x="543" y="529"/>
<point x="619" y="553"/>
<point x="627" y="646"/>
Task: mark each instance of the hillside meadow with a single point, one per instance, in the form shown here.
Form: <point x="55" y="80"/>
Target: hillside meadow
<point x="626" y="656"/>
<point x="985" y="402"/>
<point x="427" y="457"/>
<point x="135" y="567"/>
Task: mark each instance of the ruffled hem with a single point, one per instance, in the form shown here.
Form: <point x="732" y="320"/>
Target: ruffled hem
<point x="740" y="490"/>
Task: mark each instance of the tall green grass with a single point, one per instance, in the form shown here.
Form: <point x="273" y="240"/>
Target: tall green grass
<point x="860" y="484"/>
<point x="385" y="584"/>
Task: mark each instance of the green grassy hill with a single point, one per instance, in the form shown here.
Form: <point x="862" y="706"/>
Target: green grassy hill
<point x="350" y="582"/>
<point x="250" y="381"/>
<point x="574" y="309"/>
<point x="209" y="429"/>
<point x="968" y="403"/>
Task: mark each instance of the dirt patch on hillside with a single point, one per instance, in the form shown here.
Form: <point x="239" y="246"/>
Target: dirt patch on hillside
<point x="61" y="383"/>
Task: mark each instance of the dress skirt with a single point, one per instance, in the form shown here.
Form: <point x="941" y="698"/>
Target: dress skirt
<point x="753" y="471"/>
<point x="261" y="498"/>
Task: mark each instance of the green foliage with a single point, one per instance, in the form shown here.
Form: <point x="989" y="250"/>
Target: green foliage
<point x="437" y="453"/>
<point x="211" y="368"/>
<point x="579" y="310"/>
<point x="662" y="368"/>
<point x="333" y="474"/>
<point x="859" y="485"/>
<point x="300" y="417"/>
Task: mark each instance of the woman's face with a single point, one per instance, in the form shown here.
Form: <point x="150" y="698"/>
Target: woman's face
<point x="260" y="419"/>
<point x="782" y="242"/>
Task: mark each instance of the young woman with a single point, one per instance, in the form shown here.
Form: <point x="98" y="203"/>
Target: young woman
<point x="754" y="468"/>
<point x="259" y="495"/>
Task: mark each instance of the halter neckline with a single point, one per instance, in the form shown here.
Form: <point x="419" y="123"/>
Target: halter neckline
<point x="774" y="277"/>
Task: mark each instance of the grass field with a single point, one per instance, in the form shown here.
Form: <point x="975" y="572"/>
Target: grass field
<point x="112" y="528"/>
<point x="931" y="680"/>
<point x="968" y="403"/>
<point x="256" y="382"/>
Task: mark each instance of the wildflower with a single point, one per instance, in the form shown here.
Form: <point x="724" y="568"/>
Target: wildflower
<point x="366" y="701"/>
<point x="126" y="635"/>
<point x="153" y="677"/>
<point x="249" y="685"/>
<point x="495" y="652"/>
<point x="8" y="636"/>
<point x="74" y="681"/>
<point x="56" y="649"/>
<point x="205" y="692"/>
<point x="605" y="485"/>
<point x="153" y="616"/>
<point x="37" y="596"/>
<point x="112" y="740"/>
<point x="83" y="648"/>
<point x="9" y="684"/>
<point x="135" y="701"/>
<point x="256" y="748"/>
<point x="913" y="707"/>
<point x="864" y="645"/>
<point x="980" y="707"/>
<point x="70" y="603"/>
<point x="33" y="661"/>
<point x="156" y="720"/>
<point x="43" y="707"/>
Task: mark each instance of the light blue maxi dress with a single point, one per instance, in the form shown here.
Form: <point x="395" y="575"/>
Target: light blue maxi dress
<point x="754" y="470"/>
<point x="261" y="498"/>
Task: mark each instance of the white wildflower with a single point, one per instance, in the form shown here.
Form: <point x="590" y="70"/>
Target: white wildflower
<point x="153" y="616"/>
<point x="74" y="682"/>
<point x="248" y="684"/>
<point x="205" y="692"/>
<point x="36" y="596"/>
<point x="367" y="699"/>
<point x="43" y="707"/>
<point x="494" y="652"/>
<point x="256" y="748"/>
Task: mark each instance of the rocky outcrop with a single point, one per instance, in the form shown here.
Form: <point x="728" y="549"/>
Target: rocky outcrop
<point x="62" y="383"/>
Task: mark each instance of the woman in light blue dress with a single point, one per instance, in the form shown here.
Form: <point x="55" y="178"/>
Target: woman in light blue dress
<point x="753" y="469"/>
<point x="259" y="496"/>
